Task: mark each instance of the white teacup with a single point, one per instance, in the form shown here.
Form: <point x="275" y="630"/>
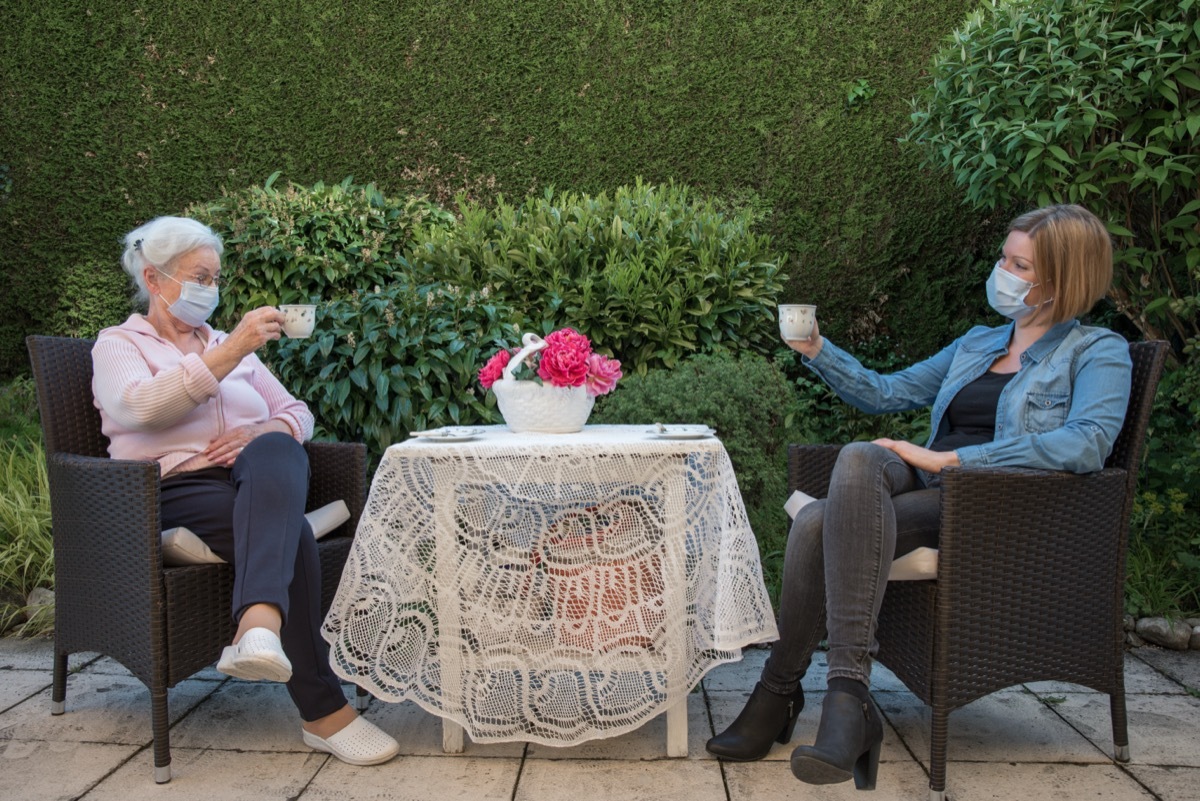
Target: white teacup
<point x="298" y="319"/>
<point x="796" y="321"/>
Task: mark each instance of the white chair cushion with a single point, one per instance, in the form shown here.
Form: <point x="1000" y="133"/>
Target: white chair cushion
<point x="916" y="565"/>
<point x="181" y="547"/>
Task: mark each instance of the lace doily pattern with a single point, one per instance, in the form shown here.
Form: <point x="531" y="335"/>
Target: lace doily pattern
<point x="549" y="588"/>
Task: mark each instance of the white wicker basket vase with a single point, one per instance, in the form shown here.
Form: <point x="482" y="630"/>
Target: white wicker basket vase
<point x="540" y="408"/>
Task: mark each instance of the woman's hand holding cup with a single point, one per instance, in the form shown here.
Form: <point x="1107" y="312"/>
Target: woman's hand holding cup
<point x="799" y="329"/>
<point x="255" y="329"/>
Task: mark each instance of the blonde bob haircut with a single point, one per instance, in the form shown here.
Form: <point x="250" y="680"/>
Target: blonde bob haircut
<point x="1073" y="254"/>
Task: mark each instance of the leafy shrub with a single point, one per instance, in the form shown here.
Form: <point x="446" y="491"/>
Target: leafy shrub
<point x="1098" y="103"/>
<point x="304" y="244"/>
<point x="1163" y="569"/>
<point x="93" y="295"/>
<point x="26" y="546"/>
<point x="749" y="402"/>
<point x="399" y="359"/>
<point x="650" y="274"/>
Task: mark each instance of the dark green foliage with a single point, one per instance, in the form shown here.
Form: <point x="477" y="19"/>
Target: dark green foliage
<point x="19" y="411"/>
<point x="93" y="295"/>
<point x="114" y="112"/>
<point x="650" y="274"/>
<point x="756" y="414"/>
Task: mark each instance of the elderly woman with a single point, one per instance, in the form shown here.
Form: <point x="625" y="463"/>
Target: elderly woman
<point x="228" y="438"/>
<point x="1041" y="391"/>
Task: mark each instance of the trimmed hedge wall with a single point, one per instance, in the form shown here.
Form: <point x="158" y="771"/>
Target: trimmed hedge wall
<point x="115" y="112"/>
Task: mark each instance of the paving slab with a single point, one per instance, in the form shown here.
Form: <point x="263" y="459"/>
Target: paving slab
<point x="1139" y="678"/>
<point x="28" y="768"/>
<point x="100" y="709"/>
<point x="37" y="653"/>
<point x="1182" y="666"/>
<point x="208" y="774"/>
<point x="601" y="780"/>
<point x="1162" y="728"/>
<point x="420" y="733"/>
<point x="19" y="685"/>
<point x="898" y="781"/>
<point x="1169" y="784"/>
<point x="243" y="716"/>
<point x="447" y="778"/>
<point x="647" y="742"/>
<point x="996" y="781"/>
<point x="725" y="709"/>
<point x="1002" y="727"/>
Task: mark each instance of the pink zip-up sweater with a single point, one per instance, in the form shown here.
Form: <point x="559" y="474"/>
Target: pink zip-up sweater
<point x="157" y="403"/>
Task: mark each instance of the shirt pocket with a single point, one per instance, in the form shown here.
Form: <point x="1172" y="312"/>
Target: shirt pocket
<point x="1046" y="411"/>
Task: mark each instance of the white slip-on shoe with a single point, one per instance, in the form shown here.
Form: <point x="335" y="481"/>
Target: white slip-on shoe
<point x="258" y="656"/>
<point x="358" y="743"/>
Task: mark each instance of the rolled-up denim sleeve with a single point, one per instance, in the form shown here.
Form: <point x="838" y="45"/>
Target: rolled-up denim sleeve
<point x="875" y="393"/>
<point x="1099" y="397"/>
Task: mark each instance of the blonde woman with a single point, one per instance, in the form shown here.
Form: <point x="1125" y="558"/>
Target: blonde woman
<point x="1040" y="391"/>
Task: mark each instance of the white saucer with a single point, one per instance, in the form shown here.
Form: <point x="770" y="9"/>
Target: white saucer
<point x="682" y="432"/>
<point x="449" y="434"/>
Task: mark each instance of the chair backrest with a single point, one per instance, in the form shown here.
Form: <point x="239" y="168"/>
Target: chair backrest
<point x="1148" y="360"/>
<point x="62" y="371"/>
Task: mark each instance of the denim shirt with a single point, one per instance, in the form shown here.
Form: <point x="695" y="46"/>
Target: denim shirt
<point x="1061" y="411"/>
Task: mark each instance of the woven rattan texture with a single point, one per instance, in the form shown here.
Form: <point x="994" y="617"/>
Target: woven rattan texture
<point x="1030" y="579"/>
<point x="545" y="593"/>
<point x="112" y="593"/>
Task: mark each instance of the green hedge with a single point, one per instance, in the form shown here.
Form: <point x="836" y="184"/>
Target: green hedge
<point x="113" y="113"/>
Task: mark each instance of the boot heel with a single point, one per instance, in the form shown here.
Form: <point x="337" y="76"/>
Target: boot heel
<point x="866" y="767"/>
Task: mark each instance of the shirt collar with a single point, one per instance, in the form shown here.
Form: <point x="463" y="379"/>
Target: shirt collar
<point x="1050" y="340"/>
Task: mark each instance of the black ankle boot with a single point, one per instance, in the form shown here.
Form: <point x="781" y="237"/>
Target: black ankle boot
<point x="848" y="742"/>
<point x="766" y="718"/>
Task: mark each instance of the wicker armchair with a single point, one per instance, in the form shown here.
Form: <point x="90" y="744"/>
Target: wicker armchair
<point x="1030" y="583"/>
<point x="112" y="593"/>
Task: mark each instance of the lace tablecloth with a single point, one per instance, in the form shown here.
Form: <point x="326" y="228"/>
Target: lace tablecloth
<point x="552" y="588"/>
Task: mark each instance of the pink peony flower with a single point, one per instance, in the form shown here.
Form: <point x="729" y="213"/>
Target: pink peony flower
<point x="603" y="374"/>
<point x="564" y="360"/>
<point x="494" y="369"/>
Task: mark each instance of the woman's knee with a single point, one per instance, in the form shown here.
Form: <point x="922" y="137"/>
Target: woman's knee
<point x="860" y="458"/>
<point x="276" y="445"/>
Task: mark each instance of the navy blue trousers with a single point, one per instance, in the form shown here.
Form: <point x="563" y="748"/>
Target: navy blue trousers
<point x="252" y="516"/>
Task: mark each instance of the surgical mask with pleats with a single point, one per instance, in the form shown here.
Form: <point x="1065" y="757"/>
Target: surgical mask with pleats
<point x="1006" y="293"/>
<point x="196" y="302"/>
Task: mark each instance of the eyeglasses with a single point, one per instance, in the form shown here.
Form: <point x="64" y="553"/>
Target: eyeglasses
<point x="203" y="280"/>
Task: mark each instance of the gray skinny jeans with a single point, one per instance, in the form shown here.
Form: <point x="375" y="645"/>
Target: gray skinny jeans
<point x="839" y="552"/>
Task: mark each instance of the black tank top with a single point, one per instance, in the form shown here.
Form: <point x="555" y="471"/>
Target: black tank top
<point x="971" y="416"/>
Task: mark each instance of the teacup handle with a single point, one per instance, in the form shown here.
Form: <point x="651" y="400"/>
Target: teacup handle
<point x="533" y="343"/>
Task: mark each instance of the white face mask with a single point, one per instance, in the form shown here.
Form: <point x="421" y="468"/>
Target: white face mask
<point x="1006" y="294"/>
<point x="196" y="302"/>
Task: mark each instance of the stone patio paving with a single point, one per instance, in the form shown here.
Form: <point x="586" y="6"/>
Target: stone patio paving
<point x="234" y="740"/>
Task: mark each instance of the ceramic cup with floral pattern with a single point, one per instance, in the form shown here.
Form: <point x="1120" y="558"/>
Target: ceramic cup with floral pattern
<point x="298" y="319"/>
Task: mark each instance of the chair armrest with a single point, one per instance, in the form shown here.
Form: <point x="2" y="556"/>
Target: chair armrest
<point x="105" y="512"/>
<point x="109" y="593"/>
<point x="339" y="473"/>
